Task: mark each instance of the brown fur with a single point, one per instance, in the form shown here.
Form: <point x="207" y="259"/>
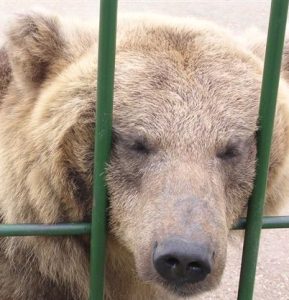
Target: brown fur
<point x="5" y="75"/>
<point x="182" y="163"/>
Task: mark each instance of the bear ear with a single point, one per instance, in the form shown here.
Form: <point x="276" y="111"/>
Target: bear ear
<point x="34" y="45"/>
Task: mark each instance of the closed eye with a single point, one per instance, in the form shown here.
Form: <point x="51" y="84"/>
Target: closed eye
<point x="229" y="153"/>
<point x="133" y="143"/>
<point x="237" y="148"/>
<point x="140" y="146"/>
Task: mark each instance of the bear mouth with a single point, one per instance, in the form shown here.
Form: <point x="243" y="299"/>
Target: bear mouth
<point x="182" y="290"/>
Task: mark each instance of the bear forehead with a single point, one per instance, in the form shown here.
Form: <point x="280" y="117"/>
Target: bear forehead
<point x="178" y="79"/>
<point x="178" y="74"/>
<point x="156" y="97"/>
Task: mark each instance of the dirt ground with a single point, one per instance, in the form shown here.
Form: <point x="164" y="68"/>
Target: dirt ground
<point x="272" y="280"/>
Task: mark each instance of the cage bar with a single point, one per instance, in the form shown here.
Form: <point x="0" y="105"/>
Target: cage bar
<point x="267" y="223"/>
<point x="270" y="83"/>
<point x="103" y="128"/>
<point x="44" y="229"/>
<point x="62" y="229"/>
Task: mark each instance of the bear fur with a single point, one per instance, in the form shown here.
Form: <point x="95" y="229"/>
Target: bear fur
<point x="183" y="155"/>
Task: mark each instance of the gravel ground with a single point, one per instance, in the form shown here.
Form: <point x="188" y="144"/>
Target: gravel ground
<point x="272" y="280"/>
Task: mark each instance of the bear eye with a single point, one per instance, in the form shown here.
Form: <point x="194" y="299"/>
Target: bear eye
<point x="140" y="146"/>
<point x="135" y="143"/>
<point x="229" y="153"/>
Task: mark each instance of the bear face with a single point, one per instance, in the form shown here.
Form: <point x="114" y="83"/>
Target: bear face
<point x="192" y="169"/>
<point x="183" y="154"/>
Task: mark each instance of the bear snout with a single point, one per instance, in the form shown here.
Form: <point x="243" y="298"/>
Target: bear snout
<point x="179" y="261"/>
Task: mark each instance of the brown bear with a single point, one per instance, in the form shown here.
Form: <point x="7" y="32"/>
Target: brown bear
<point x="183" y="155"/>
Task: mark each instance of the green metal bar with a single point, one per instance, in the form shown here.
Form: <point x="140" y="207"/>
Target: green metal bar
<point x="275" y="42"/>
<point x="84" y="228"/>
<point x="267" y="223"/>
<point x="105" y="86"/>
<point x="44" y="229"/>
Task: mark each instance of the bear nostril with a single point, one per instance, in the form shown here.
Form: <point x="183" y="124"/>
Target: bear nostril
<point x="172" y="262"/>
<point x="194" y="266"/>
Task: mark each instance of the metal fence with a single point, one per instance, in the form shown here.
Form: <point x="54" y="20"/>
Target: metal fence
<point x="97" y="229"/>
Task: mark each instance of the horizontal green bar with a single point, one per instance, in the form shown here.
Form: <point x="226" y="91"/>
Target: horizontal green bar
<point x="267" y="223"/>
<point x="84" y="228"/>
<point x="44" y="229"/>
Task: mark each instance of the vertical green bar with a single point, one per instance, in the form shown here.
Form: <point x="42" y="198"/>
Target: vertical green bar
<point x="105" y="84"/>
<point x="275" y="42"/>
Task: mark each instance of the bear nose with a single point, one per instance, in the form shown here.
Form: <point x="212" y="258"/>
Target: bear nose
<point x="180" y="261"/>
